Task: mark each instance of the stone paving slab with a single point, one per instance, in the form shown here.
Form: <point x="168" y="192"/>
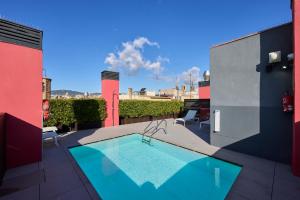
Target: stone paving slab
<point x="24" y="181"/>
<point x="31" y="193"/>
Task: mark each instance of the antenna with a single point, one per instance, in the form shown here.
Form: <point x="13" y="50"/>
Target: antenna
<point x="44" y="72"/>
<point x="177" y="87"/>
<point x="190" y="85"/>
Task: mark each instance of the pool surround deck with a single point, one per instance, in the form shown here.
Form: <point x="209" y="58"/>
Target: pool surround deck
<point x="58" y="176"/>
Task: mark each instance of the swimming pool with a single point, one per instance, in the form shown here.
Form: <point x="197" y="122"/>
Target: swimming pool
<point x="126" y="168"/>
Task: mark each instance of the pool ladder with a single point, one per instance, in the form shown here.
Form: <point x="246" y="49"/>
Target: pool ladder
<point x="153" y="128"/>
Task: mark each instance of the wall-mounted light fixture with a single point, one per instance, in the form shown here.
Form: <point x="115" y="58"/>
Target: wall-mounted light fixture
<point x="284" y="67"/>
<point x="290" y="57"/>
<point x="275" y="57"/>
<point x="289" y="63"/>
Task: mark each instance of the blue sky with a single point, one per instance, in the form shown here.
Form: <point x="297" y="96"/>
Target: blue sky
<point x="165" y="38"/>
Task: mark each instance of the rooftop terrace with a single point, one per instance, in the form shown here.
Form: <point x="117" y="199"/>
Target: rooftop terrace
<point x="59" y="177"/>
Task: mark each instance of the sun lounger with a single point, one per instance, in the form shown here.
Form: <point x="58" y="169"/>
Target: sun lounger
<point x="207" y="122"/>
<point x="50" y="132"/>
<point x="191" y="114"/>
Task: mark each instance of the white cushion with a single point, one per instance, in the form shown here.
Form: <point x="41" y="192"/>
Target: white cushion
<point x="49" y="129"/>
<point x="50" y="134"/>
<point x="179" y="119"/>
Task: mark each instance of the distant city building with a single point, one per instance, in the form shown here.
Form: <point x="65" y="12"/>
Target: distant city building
<point x="86" y="95"/>
<point x="150" y="93"/>
<point x="183" y="89"/>
<point x="171" y="92"/>
<point x="46" y="88"/>
<point x="130" y="93"/>
<point x="143" y="94"/>
<point x="182" y="94"/>
<point x="70" y="94"/>
<point x="79" y="96"/>
<point x="142" y="91"/>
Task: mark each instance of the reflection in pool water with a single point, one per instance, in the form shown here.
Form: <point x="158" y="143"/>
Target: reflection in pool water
<point x="126" y="168"/>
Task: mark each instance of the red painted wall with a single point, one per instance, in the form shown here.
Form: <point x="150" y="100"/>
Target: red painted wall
<point x="296" y="133"/>
<point x="21" y="99"/>
<point x="2" y="144"/>
<point x="204" y="92"/>
<point x="110" y="90"/>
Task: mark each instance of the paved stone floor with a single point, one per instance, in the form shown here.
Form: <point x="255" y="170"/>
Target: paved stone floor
<point x="57" y="176"/>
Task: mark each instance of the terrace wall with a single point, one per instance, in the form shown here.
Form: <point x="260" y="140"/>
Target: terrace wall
<point x="21" y="92"/>
<point x="2" y="144"/>
<point x="249" y="98"/>
<point x="296" y="136"/>
<point x="110" y="93"/>
<point x="204" y="90"/>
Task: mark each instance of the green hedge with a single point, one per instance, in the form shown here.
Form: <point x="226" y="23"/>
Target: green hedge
<point x="140" y="108"/>
<point x="84" y="111"/>
<point x="81" y="111"/>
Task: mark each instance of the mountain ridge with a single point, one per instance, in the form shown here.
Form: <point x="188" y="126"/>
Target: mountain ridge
<point x="62" y="92"/>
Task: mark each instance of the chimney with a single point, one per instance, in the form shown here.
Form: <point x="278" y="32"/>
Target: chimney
<point x="46" y="88"/>
<point x="110" y="92"/>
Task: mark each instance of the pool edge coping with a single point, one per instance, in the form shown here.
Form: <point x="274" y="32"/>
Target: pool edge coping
<point x="180" y="146"/>
<point x="73" y="161"/>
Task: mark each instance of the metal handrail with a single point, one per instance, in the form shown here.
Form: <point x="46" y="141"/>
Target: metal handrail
<point x="154" y="129"/>
<point x="148" y="126"/>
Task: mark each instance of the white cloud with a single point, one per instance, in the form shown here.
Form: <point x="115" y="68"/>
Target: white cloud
<point x="141" y="41"/>
<point x="192" y="74"/>
<point x="131" y="57"/>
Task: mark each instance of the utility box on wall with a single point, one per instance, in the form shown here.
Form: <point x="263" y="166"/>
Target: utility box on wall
<point x="110" y="92"/>
<point x="21" y="92"/>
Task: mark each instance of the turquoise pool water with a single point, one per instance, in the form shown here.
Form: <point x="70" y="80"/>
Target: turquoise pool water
<point x="126" y="168"/>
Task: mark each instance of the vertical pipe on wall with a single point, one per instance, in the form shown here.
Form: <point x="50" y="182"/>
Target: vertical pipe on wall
<point x="296" y="132"/>
<point x="110" y="93"/>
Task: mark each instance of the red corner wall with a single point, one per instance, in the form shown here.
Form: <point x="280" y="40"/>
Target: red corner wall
<point x="296" y="133"/>
<point x="2" y="144"/>
<point x="21" y="99"/>
<point x="204" y="92"/>
<point x="110" y="91"/>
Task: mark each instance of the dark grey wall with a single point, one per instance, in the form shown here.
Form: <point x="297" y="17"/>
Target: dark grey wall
<point x="249" y="98"/>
